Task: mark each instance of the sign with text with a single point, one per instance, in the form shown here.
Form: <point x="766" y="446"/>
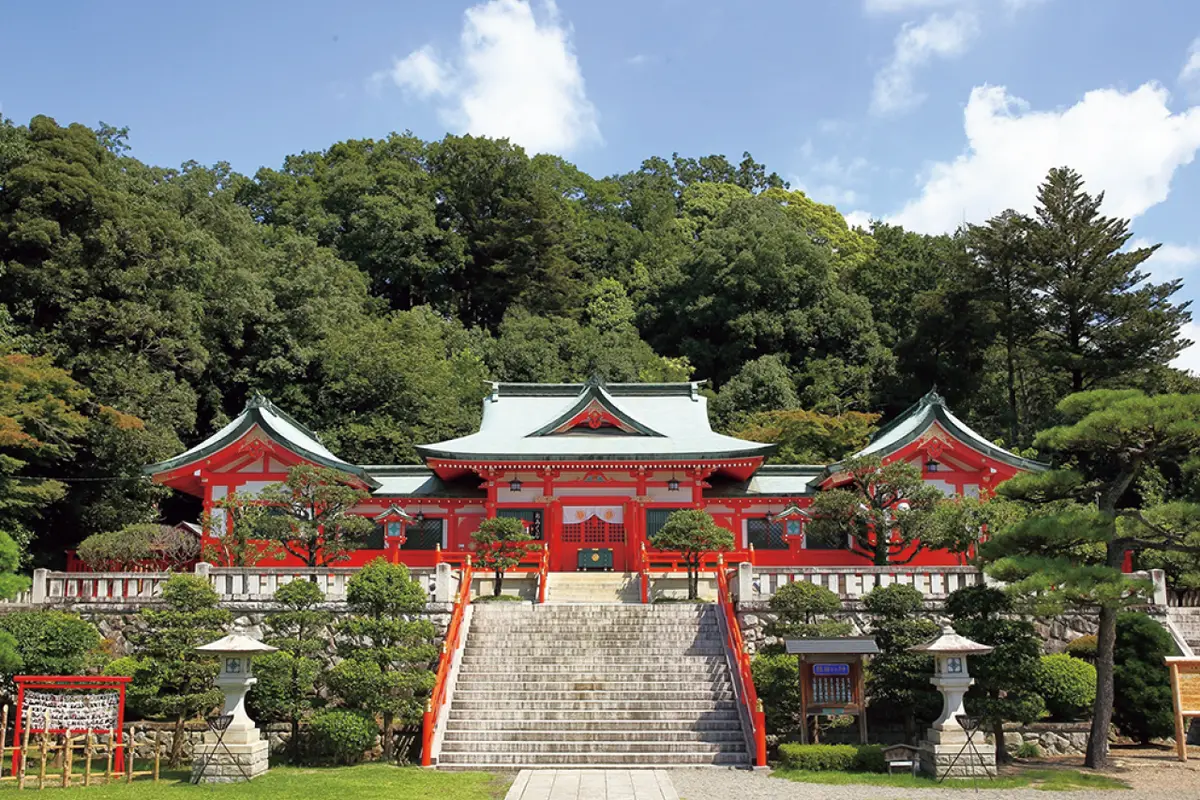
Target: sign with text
<point x="1185" y="691"/>
<point x="831" y="669"/>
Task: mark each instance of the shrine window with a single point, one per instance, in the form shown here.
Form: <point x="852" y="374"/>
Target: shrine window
<point x="767" y="534"/>
<point x="532" y="517"/>
<point x="656" y="518"/>
<point x="425" y="534"/>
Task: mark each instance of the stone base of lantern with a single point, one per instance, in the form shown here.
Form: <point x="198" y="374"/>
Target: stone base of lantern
<point x="942" y="755"/>
<point x="241" y="756"/>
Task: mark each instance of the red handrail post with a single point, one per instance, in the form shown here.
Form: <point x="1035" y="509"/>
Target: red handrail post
<point x="744" y="675"/>
<point x="437" y="698"/>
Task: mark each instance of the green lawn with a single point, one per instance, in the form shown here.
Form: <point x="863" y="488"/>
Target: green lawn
<point x="289" y="783"/>
<point x="1047" y="779"/>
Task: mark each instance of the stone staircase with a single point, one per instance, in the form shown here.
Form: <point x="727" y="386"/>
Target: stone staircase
<point x="593" y="587"/>
<point x="1187" y="622"/>
<point x="593" y="686"/>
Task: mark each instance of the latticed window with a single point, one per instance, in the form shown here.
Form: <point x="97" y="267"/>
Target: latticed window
<point x="425" y="534"/>
<point x="532" y="517"/>
<point x="656" y="518"/>
<point x="766" y="534"/>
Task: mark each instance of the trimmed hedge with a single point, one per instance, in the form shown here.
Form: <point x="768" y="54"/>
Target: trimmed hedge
<point x="341" y="736"/>
<point x="1084" y="648"/>
<point x="1068" y="685"/>
<point x="832" y="757"/>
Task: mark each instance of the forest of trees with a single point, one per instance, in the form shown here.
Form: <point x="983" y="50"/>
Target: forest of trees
<point x="372" y="289"/>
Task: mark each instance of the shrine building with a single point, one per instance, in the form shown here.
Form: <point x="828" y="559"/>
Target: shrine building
<point x="587" y="466"/>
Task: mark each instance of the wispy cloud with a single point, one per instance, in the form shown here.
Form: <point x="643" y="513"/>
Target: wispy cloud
<point x="939" y="36"/>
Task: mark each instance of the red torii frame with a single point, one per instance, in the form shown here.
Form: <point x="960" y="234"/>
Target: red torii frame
<point x="61" y="682"/>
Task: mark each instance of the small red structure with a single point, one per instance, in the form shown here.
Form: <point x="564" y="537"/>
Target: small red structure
<point x="68" y="683"/>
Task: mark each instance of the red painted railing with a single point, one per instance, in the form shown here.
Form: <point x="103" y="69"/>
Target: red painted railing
<point x="437" y="699"/>
<point x="742" y="676"/>
<point x="543" y="574"/>
<point x="644" y="573"/>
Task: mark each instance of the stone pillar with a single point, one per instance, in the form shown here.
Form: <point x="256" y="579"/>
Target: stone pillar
<point x="441" y="592"/>
<point x="37" y="592"/>
<point x="744" y="590"/>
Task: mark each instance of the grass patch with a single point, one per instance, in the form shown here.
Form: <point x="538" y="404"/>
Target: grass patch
<point x="1051" y="780"/>
<point x="286" y="783"/>
<point x="497" y="598"/>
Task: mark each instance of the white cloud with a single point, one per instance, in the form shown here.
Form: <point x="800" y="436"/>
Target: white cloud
<point x="1169" y="261"/>
<point x="903" y="6"/>
<point x="421" y="73"/>
<point x="859" y="219"/>
<point x="1128" y="144"/>
<point x="1189" y="359"/>
<point x="830" y="180"/>
<point x="515" y="75"/>
<point x="1191" y="68"/>
<point x="938" y="36"/>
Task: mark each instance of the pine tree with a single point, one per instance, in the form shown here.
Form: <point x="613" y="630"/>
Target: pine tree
<point x="1103" y="323"/>
<point x="1086" y="519"/>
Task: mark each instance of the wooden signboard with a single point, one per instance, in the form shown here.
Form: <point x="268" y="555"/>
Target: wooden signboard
<point x="1185" y="688"/>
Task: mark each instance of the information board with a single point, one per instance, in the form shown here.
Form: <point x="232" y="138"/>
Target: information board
<point x="831" y="669"/>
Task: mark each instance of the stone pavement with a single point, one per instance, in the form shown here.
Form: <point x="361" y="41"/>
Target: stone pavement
<point x="592" y="784"/>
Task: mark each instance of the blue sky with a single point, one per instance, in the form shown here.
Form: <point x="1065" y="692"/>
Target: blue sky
<point x="924" y="112"/>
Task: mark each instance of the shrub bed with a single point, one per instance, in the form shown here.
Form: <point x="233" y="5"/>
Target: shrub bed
<point x="832" y="757"/>
<point x="341" y="736"/>
<point x="1068" y="685"/>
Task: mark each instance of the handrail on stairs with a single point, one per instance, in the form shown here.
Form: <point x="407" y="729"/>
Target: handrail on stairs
<point x="742" y="675"/>
<point x="543" y="573"/>
<point x="437" y="698"/>
<point x="644" y="574"/>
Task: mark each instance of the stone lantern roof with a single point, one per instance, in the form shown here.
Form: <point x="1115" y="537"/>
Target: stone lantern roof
<point x="236" y="643"/>
<point x="949" y="642"/>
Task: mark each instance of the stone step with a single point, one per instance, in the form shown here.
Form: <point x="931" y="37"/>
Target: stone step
<point x="569" y="649"/>
<point x="598" y="641"/>
<point x="515" y="661"/>
<point x="597" y="628"/>
<point x="602" y="716"/>
<point x="500" y="694"/>
<point x="649" y="727"/>
<point x="472" y="704"/>
<point x="583" y="758"/>
<point x="605" y="611"/>
<point x="472" y="683"/>
<point x="621" y="746"/>
<point x="593" y="734"/>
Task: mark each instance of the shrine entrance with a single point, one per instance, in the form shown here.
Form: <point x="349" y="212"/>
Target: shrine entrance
<point x="592" y="537"/>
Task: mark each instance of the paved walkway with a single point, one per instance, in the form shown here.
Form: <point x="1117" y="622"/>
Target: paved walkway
<point x="592" y="784"/>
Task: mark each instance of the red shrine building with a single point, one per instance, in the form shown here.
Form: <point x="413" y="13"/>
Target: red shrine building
<point x="589" y="467"/>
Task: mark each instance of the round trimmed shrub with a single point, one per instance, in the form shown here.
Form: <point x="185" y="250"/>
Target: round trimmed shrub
<point x="1084" y="647"/>
<point x="341" y="736"/>
<point x="1068" y="685"/>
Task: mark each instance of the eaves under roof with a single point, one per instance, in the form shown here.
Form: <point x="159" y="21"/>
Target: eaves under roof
<point x="276" y="424"/>
<point x="926" y="412"/>
<point x="771" y="480"/>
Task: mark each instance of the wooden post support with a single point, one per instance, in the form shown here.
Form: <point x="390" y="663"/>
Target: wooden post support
<point x="42" y="749"/>
<point x="157" y="752"/>
<point x="109" y="757"/>
<point x="4" y="738"/>
<point x="24" y="752"/>
<point x="129" y="759"/>
<point x="87" y="765"/>
<point x="68" y="760"/>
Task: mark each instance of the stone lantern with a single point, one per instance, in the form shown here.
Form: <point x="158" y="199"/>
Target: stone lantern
<point x="395" y="522"/>
<point x="233" y="751"/>
<point x="945" y="750"/>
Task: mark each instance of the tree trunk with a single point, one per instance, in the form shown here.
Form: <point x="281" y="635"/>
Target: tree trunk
<point x="499" y="582"/>
<point x="1106" y="640"/>
<point x="1012" y="392"/>
<point x="176" y="758"/>
<point x="388" y="745"/>
<point x="693" y="578"/>
<point x="998" y="735"/>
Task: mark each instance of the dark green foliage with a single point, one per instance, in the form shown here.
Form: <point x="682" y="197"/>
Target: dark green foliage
<point x="694" y="534"/>
<point x="52" y="642"/>
<point x="341" y="736"/>
<point x="171" y="679"/>
<point x="804" y="610"/>
<point x="897" y="680"/>
<point x="387" y="652"/>
<point x="1068" y="685"/>
<point x="1142" y="707"/>
<point x="142" y="545"/>
<point x="1083" y="648"/>
<point x="832" y="757"/>
<point x="1006" y="686"/>
<point x="777" y="681"/>
<point x="290" y="680"/>
<point x="502" y="543"/>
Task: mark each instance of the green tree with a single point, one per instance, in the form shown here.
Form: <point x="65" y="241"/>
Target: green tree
<point x="807" y="437"/>
<point x="12" y="582"/>
<point x="312" y="519"/>
<point x="1104" y="321"/>
<point x="501" y="543"/>
<point x="1143" y="708"/>
<point x="1086" y="519"/>
<point x="144" y="545"/>
<point x="386" y="650"/>
<point x="171" y="679"/>
<point x="805" y="611"/>
<point x="881" y="508"/>
<point x="694" y="534"/>
<point x="52" y="642"/>
<point x="898" y="680"/>
<point x="290" y="679"/>
<point x="1005" y="688"/>
<point x="764" y="384"/>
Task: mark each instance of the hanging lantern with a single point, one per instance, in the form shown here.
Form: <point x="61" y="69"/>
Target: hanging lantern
<point x="514" y="485"/>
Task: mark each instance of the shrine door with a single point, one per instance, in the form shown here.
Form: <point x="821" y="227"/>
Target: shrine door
<point x="596" y="528"/>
